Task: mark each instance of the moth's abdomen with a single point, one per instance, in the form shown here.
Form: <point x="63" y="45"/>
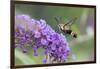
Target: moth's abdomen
<point x="74" y="34"/>
<point x="67" y="31"/>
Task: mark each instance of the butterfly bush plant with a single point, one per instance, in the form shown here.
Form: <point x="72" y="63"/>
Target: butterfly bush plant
<point x="38" y="34"/>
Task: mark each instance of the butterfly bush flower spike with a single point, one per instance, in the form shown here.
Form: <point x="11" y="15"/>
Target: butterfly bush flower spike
<point x="38" y="34"/>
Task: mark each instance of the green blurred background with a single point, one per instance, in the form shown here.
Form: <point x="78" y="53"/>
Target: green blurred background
<point x="82" y="48"/>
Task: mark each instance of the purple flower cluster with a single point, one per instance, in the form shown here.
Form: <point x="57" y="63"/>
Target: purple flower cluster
<point x="38" y="34"/>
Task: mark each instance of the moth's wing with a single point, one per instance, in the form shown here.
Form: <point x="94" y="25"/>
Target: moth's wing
<point x="71" y="21"/>
<point x="58" y="19"/>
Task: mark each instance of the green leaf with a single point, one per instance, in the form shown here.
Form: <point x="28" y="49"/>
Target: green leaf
<point x="24" y="58"/>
